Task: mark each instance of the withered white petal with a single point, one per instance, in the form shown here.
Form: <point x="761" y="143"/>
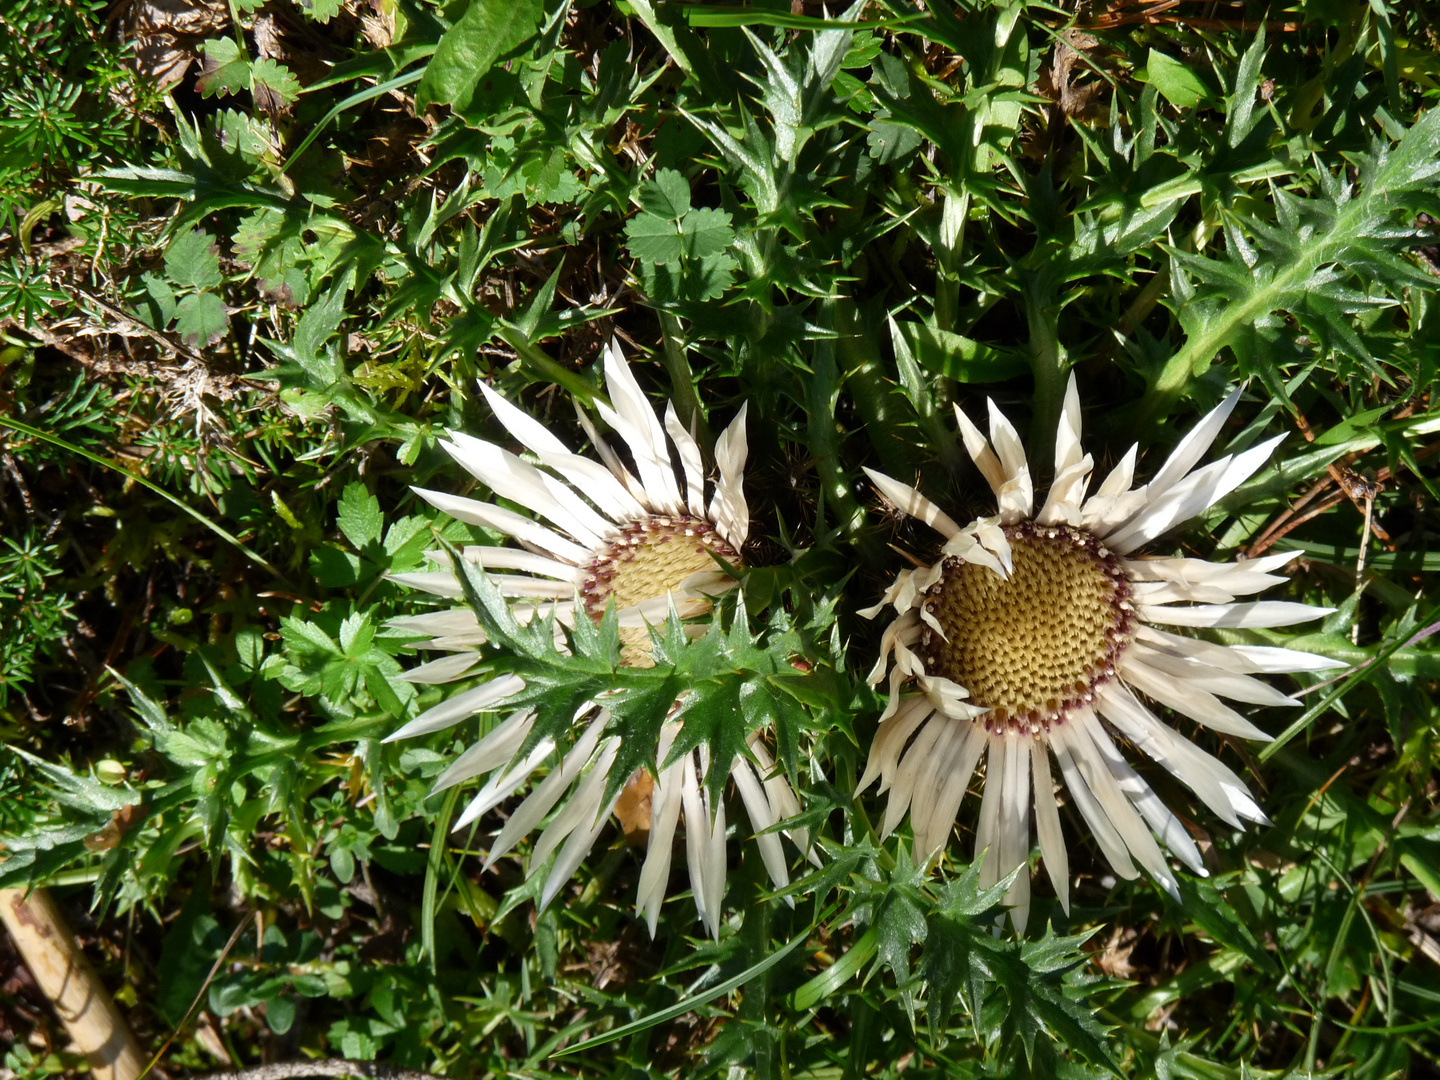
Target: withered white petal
<point x="910" y="501"/>
<point x="462" y="706"/>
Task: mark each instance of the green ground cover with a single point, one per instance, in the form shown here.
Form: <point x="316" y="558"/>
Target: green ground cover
<point x="259" y="255"/>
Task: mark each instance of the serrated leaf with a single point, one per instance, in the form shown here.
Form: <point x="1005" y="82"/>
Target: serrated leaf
<point x="358" y="516"/>
<point x="322" y="11"/>
<point x="666" y="196"/>
<point x="550" y="178"/>
<point x="224" y="70"/>
<point x="653" y="239"/>
<point x="192" y="260"/>
<point x="307" y="639"/>
<point x="242" y="134"/>
<point x="317" y="326"/>
<point x="707" y="232"/>
<point x="356" y="634"/>
<point x="273" y="85"/>
<point x="254" y="232"/>
<point x="201" y="319"/>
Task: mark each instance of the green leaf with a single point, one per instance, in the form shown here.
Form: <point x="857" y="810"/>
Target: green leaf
<point x="900" y="922"/>
<point x="316" y="327"/>
<point x="274" y="86"/>
<point x="78" y="790"/>
<point x="654" y="239"/>
<point x="487" y="31"/>
<point x="707" y="232"/>
<point x="280" y="1014"/>
<point x="224" y="70"/>
<point x="1213" y="913"/>
<point x="551" y="178"/>
<point x="666" y="196"/>
<point x="322" y="11"/>
<point x="192" y="261"/>
<point x="823" y="986"/>
<point x="359" y="517"/>
<point x="1176" y="82"/>
<point x="690" y="1002"/>
<point x="192" y="943"/>
<point x="710" y="279"/>
<point x="1359" y="228"/>
<point x="358" y="1046"/>
<point x="1045" y="1002"/>
<point x="307" y="639"/>
<point x="163" y="297"/>
<point x="956" y="356"/>
<point x="1240" y="117"/>
<point x="356" y="634"/>
<point x="201" y="319"/>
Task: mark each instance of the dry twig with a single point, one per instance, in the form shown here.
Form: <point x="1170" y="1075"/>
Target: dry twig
<point x="369" y="1070"/>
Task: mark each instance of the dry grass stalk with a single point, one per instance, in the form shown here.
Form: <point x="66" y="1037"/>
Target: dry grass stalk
<point x="66" y="978"/>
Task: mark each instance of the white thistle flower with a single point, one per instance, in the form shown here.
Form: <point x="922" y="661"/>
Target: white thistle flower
<point x="643" y="544"/>
<point x="1041" y="633"/>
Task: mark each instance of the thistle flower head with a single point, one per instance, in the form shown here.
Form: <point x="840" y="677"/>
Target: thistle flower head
<point x="645" y="542"/>
<point x="1041" y="634"/>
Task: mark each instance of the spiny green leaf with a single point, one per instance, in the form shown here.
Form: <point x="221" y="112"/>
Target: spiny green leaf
<point x="77" y="790"/>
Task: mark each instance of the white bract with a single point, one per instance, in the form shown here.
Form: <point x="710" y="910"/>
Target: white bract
<point x="1040" y="634"/>
<point x="643" y="544"/>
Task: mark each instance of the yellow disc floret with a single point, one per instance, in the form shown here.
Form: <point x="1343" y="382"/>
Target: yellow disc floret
<point x="1036" y="644"/>
<point x="651" y="558"/>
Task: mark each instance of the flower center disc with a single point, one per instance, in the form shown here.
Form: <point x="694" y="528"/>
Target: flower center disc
<point x="1034" y="646"/>
<point x="650" y="558"/>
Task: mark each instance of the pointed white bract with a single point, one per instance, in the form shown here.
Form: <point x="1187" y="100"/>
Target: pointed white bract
<point x="600" y="524"/>
<point x="929" y="744"/>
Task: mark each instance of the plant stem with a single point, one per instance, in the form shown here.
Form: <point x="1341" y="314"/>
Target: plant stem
<point x="1048" y="364"/>
<point x="682" y="381"/>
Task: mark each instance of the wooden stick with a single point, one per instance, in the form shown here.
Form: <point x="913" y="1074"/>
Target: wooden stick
<point x="66" y="978"/>
<point x="290" y="1070"/>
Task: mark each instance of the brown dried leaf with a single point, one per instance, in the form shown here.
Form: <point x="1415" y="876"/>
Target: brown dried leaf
<point x="168" y="34"/>
<point x="632" y="809"/>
